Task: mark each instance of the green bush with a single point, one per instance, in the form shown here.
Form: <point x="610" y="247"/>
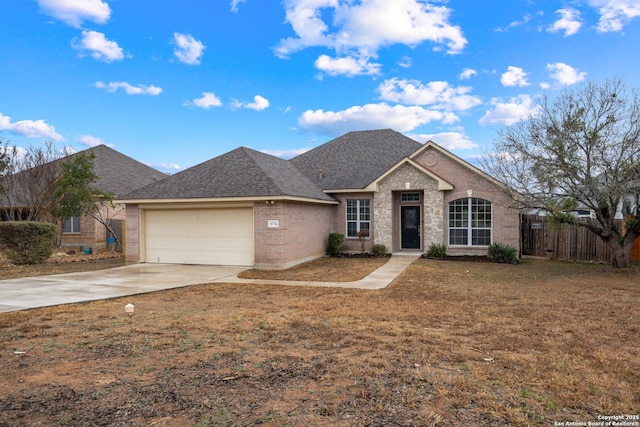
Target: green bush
<point x="335" y="241"/>
<point x="28" y="242"/>
<point x="502" y="253"/>
<point x="378" y="250"/>
<point x="437" y="250"/>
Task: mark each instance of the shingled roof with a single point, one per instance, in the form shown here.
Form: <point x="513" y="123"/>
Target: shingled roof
<point x="355" y="159"/>
<point x="117" y="173"/>
<point x="120" y="174"/>
<point x="242" y="172"/>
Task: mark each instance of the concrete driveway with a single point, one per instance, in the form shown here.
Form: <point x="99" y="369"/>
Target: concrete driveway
<point x="42" y="291"/>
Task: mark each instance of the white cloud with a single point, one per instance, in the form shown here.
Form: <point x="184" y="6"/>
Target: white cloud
<point x="348" y="66"/>
<point x="129" y="88"/>
<point x="359" y="29"/>
<point x="467" y="73"/>
<point x="615" y="14"/>
<point x="30" y="128"/>
<point x="508" y="113"/>
<point x="99" y="47"/>
<point x="371" y="116"/>
<point x="565" y="74"/>
<point x="206" y="101"/>
<point x="74" y="12"/>
<point x="569" y="22"/>
<point x="287" y="154"/>
<point x="439" y="95"/>
<point x="188" y="50"/>
<point x="235" y="4"/>
<point x="259" y="103"/>
<point x="514" y="76"/>
<point x="448" y="140"/>
<point x="93" y="141"/>
<point x="167" y="168"/>
<point x="516" y="23"/>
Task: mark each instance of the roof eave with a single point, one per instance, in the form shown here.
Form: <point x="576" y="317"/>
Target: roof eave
<point x="228" y="200"/>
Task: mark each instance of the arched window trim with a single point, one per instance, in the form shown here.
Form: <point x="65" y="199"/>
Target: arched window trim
<point x="470" y="222"/>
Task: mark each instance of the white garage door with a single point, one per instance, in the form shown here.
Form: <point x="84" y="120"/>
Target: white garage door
<point x="199" y="236"/>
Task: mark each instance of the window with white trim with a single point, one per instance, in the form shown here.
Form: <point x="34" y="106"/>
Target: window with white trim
<point x="470" y="222"/>
<point x="71" y="225"/>
<point x="358" y="216"/>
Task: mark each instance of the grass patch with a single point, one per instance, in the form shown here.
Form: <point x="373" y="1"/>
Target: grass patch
<point x="325" y="269"/>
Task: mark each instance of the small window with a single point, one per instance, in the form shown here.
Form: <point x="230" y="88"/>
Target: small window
<point x="358" y="216"/>
<point x="71" y="225"/>
<point x="410" y="197"/>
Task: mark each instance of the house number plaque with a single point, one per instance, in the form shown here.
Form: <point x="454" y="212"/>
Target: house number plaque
<point x="273" y="223"/>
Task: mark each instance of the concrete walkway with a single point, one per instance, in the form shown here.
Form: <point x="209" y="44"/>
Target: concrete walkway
<point x="378" y="279"/>
<point x="43" y="291"/>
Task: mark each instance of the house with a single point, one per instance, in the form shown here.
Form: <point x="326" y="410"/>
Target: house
<point x="249" y="208"/>
<point x="117" y="174"/>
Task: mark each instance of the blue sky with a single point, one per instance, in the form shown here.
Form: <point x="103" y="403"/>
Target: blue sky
<point x="173" y="84"/>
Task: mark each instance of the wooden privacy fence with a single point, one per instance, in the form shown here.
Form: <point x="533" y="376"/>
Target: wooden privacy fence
<point x="539" y="237"/>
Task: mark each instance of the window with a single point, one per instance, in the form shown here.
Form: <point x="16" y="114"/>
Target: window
<point x="410" y="197"/>
<point x="358" y="216"/>
<point x="470" y="222"/>
<point x="72" y="225"/>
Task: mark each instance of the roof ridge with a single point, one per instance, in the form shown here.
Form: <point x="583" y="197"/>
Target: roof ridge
<point x="267" y="172"/>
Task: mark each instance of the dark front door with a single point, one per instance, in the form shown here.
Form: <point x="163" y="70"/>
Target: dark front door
<point x="410" y="225"/>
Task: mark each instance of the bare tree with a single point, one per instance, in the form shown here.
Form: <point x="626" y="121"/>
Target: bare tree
<point x="27" y="182"/>
<point x="104" y="211"/>
<point x="581" y="149"/>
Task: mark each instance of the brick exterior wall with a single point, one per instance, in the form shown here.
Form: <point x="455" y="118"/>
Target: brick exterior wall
<point x="352" y="244"/>
<point x="301" y="235"/>
<point x="93" y="234"/>
<point x="467" y="183"/>
<point x="132" y="234"/>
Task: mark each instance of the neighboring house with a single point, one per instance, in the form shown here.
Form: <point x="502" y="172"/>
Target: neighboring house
<point x="580" y="212"/>
<point x="249" y="208"/>
<point x="117" y="174"/>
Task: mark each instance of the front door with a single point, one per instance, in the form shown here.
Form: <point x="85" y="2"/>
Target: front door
<point x="410" y="225"/>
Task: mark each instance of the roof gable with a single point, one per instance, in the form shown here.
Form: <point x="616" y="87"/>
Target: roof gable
<point x="355" y="159"/>
<point x="242" y="172"/>
<point x="442" y="183"/>
<point x="432" y="145"/>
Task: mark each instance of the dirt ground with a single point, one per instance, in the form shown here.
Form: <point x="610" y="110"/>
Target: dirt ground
<point x="61" y="262"/>
<point x="447" y="344"/>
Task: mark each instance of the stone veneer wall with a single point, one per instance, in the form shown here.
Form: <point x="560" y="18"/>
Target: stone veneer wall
<point x="383" y="207"/>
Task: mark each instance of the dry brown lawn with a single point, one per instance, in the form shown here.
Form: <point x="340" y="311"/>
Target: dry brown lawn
<point x="61" y="263"/>
<point x="447" y="344"/>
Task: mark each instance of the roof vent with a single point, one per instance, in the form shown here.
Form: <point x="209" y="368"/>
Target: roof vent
<point x="320" y="174"/>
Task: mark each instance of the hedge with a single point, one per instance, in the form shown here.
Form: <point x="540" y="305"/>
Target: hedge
<point x="28" y="242"/>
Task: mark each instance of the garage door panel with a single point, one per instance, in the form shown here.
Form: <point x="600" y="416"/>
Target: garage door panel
<point x="205" y="236"/>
